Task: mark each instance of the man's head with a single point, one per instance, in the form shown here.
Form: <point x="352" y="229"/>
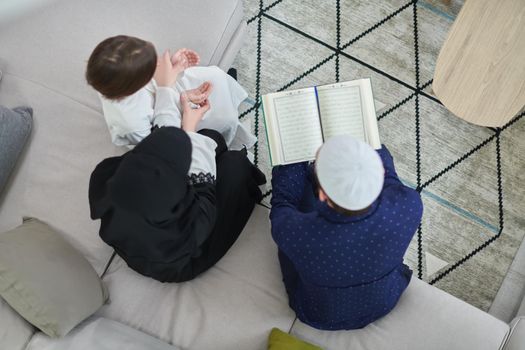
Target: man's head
<point x="350" y="174"/>
<point x="120" y="66"/>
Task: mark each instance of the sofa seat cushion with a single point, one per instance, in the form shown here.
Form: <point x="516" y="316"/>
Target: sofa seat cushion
<point x="516" y="339"/>
<point x="99" y="334"/>
<point x="15" y="332"/>
<point x="424" y="318"/>
<point x="51" y="46"/>
<point x="67" y="142"/>
<point x="234" y="305"/>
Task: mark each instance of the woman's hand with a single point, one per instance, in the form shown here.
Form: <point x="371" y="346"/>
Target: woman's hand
<point x="192" y="116"/>
<point x="184" y="58"/>
<point x="200" y="94"/>
<point x="165" y="74"/>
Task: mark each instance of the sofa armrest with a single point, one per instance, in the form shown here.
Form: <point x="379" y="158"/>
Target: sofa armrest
<point x="521" y="310"/>
<point x="516" y="337"/>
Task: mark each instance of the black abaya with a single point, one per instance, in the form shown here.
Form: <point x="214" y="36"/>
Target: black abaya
<point x="159" y="223"/>
<point x="237" y="192"/>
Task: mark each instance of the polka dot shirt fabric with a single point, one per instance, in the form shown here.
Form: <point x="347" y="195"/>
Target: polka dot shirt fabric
<point x="342" y="272"/>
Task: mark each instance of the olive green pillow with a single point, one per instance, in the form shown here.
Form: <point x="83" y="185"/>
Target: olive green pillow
<point x="280" y="340"/>
<point x="46" y="280"/>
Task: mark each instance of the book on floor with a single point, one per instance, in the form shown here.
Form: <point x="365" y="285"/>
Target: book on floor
<point x="299" y="121"/>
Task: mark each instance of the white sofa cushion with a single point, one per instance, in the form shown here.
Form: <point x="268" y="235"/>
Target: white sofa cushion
<point x="99" y="334"/>
<point x="15" y="332"/>
<point x="232" y="306"/>
<point x="516" y="338"/>
<point x="12" y="10"/>
<point x="425" y="318"/>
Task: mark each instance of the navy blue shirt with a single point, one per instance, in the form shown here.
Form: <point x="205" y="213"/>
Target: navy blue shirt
<point x="342" y="272"/>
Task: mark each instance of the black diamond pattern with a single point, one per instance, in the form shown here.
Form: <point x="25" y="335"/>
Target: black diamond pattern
<point x="418" y="92"/>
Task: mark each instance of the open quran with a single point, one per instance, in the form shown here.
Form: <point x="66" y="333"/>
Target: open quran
<point x="299" y="121"/>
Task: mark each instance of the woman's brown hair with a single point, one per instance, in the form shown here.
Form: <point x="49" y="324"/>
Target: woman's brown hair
<point x="120" y="66"/>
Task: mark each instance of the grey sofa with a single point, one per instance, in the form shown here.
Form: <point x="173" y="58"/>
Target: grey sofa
<point x="235" y="304"/>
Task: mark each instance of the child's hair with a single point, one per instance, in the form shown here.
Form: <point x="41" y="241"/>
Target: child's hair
<point x="120" y="66"/>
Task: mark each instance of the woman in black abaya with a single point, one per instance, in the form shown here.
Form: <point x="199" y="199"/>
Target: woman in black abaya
<point x="175" y="204"/>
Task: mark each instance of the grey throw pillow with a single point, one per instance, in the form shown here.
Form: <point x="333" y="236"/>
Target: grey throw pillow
<point x="15" y="127"/>
<point x="46" y="280"/>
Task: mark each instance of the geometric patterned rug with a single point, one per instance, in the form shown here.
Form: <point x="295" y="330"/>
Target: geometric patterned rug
<point x="469" y="176"/>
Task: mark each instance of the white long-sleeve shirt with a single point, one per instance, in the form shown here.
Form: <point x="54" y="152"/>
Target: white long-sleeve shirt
<point x="202" y="157"/>
<point x="130" y="119"/>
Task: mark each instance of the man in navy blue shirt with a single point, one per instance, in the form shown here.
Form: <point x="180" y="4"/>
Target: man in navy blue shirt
<point x="342" y="227"/>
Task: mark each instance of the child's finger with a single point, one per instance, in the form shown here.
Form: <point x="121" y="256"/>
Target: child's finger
<point x="198" y="98"/>
<point x="203" y="87"/>
<point x="166" y="57"/>
<point x="208" y="88"/>
<point x="193" y="57"/>
<point x="184" y="101"/>
<point x="205" y="104"/>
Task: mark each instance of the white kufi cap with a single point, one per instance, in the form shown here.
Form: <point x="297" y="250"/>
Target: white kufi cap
<point x="350" y="172"/>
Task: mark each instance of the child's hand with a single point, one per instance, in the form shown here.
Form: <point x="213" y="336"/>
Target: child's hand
<point x="165" y="74"/>
<point x="200" y="94"/>
<point x="192" y="116"/>
<point x="184" y="58"/>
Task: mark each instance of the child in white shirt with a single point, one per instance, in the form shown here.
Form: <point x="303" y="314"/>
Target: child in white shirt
<point x="139" y="91"/>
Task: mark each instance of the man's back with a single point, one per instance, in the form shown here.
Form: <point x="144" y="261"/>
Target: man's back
<point x="340" y="271"/>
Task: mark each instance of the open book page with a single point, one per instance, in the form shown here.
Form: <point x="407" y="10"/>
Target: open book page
<point x="298" y="125"/>
<point x="369" y="110"/>
<point x="341" y="111"/>
<point x="348" y="108"/>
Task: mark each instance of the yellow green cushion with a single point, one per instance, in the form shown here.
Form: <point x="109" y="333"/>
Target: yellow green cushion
<point x="280" y="340"/>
